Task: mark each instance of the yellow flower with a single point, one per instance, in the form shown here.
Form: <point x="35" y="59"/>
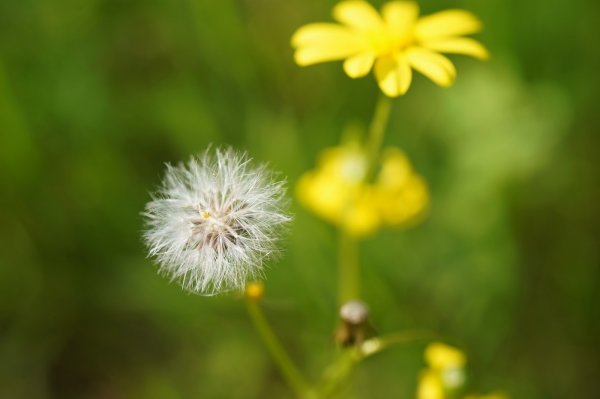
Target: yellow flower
<point x="445" y="374"/>
<point x="440" y="356"/>
<point x="393" y="42"/>
<point x="430" y="386"/>
<point x="448" y="362"/>
<point x="336" y="190"/>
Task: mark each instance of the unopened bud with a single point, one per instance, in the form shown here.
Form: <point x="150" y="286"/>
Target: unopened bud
<point x="354" y="312"/>
<point x="255" y="290"/>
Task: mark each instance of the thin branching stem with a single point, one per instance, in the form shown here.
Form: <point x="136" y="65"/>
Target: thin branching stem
<point x="288" y="369"/>
<point x="339" y="371"/>
<point x="378" y="344"/>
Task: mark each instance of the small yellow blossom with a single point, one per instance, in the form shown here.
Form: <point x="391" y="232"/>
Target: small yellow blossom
<point x="448" y="362"/>
<point x="392" y="42"/>
<point x="430" y="386"/>
<point x="338" y="192"/>
<point x="445" y="374"/>
<point x="445" y="371"/>
<point x="440" y="356"/>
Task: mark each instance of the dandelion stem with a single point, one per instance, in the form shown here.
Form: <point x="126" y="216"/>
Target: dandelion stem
<point x="349" y="270"/>
<point x="377" y="132"/>
<point x="289" y="371"/>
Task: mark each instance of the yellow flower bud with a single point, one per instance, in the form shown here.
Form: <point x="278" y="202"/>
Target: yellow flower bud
<point x="255" y="290"/>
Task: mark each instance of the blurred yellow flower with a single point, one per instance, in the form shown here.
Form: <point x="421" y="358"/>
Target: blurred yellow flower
<point x="430" y="386"/>
<point x="440" y="356"/>
<point x="445" y="374"/>
<point x="394" y="42"/>
<point x="448" y="362"/>
<point x="338" y="192"/>
<point x="445" y="371"/>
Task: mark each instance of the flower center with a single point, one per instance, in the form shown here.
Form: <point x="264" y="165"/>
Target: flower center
<point x="388" y="42"/>
<point x="211" y="230"/>
<point x="453" y="377"/>
<point x="353" y="168"/>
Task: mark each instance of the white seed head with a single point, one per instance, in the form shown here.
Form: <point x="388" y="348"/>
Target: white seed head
<point x="215" y="221"/>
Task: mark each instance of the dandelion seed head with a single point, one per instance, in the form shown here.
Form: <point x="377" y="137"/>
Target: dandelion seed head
<point x="214" y="221"/>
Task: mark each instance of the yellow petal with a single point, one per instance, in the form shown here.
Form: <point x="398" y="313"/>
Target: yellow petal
<point x="393" y="75"/>
<point x="313" y="55"/>
<point x="447" y="23"/>
<point x="459" y="45"/>
<point x="404" y="205"/>
<point x="433" y="65"/>
<point x="361" y="216"/>
<point x="357" y="14"/>
<point x="359" y="65"/>
<point x="321" y="32"/>
<point x="430" y="386"/>
<point x="395" y="169"/>
<point x="352" y="207"/>
<point x="322" y="42"/>
<point x="322" y="195"/>
<point x="441" y="356"/>
<point x="400" y="15"/>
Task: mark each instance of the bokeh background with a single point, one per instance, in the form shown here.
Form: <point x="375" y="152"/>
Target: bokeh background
<point x="96" y="95"/>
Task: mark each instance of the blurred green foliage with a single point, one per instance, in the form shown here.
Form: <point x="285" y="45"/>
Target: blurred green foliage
<point x="96" y="95"/>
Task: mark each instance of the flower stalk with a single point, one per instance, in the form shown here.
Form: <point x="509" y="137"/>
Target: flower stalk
<point x="341" y="368"/>
<point x="377" y="133"/>
<point x="349" y="269"/>
<point x="288" y="369"/>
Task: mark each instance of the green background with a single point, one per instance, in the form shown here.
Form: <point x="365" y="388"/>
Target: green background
<point x="96" y="95"/>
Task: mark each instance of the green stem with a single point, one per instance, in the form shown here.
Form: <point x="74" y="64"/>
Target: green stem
<point x="376" y="133"/>
<point x="339" y="371"/>
<point x="289" y="371"/>
<point x="378" y="344"/>
<point x="349" y="271"/>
